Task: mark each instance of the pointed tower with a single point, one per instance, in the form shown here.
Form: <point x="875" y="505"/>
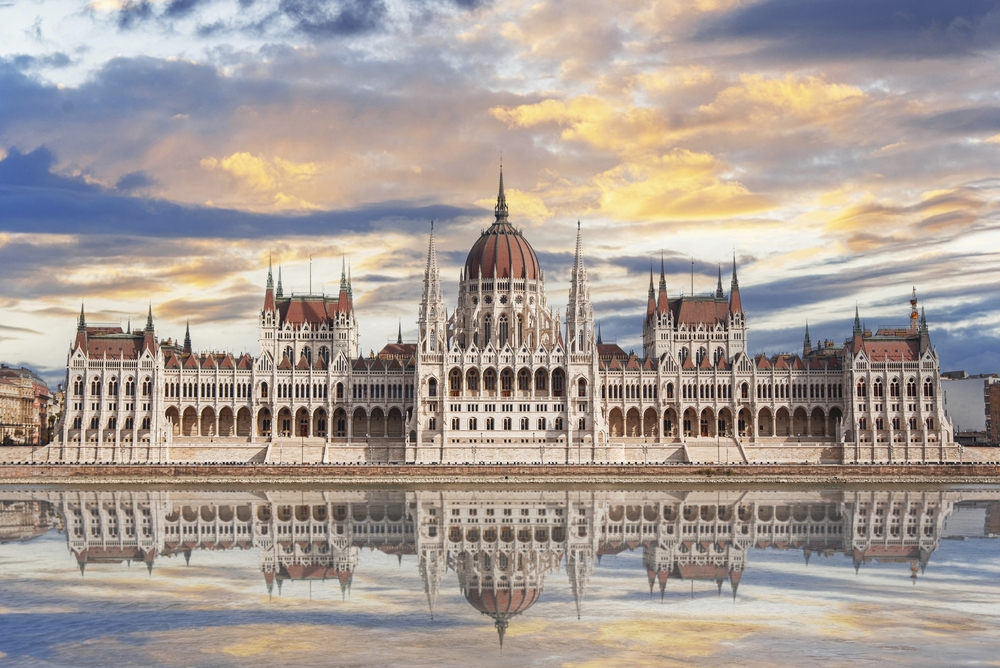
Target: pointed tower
<point x="579" y="311"/>
<point x="280" y="293"/>
<point x="858" y="329"/>
<point x="269" y="290"/>
<point x="914" y="314"/>
<point x="187" y="338"/>
<point x="807" y="342"/>
<point x="399" y="335"/>
<point x="735" y="304"/>
<point x="719" y="294"/>
<point x="662" y="306"/>
<point x="650" y="297"/>
<point x="149" y="335"/>
<point x="81" y="332"/>
<point x="433" y="322"/>
<point x="657" y="329"/>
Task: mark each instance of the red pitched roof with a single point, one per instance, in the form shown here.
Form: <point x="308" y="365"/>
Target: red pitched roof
<point x="692" y="311"/>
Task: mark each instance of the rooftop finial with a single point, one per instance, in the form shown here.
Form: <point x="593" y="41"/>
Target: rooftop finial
<point x="501" y="208"/>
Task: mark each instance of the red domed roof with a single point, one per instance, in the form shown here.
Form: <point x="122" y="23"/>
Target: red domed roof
<point x="502" y="249"/>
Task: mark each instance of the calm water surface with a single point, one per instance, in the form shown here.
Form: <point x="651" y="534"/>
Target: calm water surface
<point x="229" y="577"/>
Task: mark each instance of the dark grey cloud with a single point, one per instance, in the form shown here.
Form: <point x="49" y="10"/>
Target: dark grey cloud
<point x="326" y="18"/>
<point x="133" y="181"/>
<point x="132" y="13"/>
<point x="971" y="120"/>
<point x="26" y="62"/>
<point x="33" y="199"/>
<point x="181" y="8"/>
<point x="863" y="28"/>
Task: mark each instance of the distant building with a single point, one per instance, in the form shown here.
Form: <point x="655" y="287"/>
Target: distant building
<point x="16" y="406"/>
<point x="967" y="404"/>
<point x="993" y="401"/>
<point x="34" y="418"/>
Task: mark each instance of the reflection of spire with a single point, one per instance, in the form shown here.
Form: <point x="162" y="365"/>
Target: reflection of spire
<point x="501" y="625"/>
<point x="579" y="566"/>
<point x="432" y="571"/>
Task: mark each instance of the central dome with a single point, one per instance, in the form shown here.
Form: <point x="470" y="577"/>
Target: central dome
<point x="502" y="249"/>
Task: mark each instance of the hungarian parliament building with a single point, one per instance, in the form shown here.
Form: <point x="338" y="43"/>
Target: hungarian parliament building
<point x="505" y="379"/>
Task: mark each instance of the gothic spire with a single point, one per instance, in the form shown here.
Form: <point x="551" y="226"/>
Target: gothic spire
<point x="82" y="322"/>
<point x="718" y="289"/>
<point x="343" y="273"/>
<point x="857" y="321"/>
<point x="187" y="338"/>
<point x="350" y="286"/>
<point x="270" y="278"/>
<point x="279" y="292"/>
<point x="735" y="303"/>
<point x="579" y="271"/>
<point x="807" y="342"/>
<point x="149" y="319"/>
<point x="501" y="208"/>
<point x="923" y="321"/>
<point x="399" y="337"/>
<point x="599" y="340"/>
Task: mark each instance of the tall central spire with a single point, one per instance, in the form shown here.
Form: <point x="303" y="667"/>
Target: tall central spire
<point x="501" y="207"/>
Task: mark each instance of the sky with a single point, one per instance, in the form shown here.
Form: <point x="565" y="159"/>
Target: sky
<point x="159" y="152"/>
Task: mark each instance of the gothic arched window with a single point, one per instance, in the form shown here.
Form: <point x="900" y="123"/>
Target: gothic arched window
<point x="502" y="330"/>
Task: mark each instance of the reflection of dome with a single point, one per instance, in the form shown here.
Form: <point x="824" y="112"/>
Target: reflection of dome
<point x="502" y="249"/>
<point x="502" y="604"/>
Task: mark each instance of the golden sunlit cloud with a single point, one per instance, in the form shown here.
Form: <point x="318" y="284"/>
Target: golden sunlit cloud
<point x="263" y="175"/>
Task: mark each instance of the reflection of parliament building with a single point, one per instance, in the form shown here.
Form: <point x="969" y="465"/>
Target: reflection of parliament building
<point x="501" y="546"/>
<point x="505" y="378"/>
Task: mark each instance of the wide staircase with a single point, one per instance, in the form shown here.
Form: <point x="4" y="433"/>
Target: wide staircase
<point x="725" y="450"/>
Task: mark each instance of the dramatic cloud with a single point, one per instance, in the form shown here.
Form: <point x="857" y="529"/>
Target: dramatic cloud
<point x="162" y="150"/>
<point x="920" y="29"/>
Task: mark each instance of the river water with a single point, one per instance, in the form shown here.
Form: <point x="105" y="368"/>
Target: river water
<point x="582" y="576"/>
